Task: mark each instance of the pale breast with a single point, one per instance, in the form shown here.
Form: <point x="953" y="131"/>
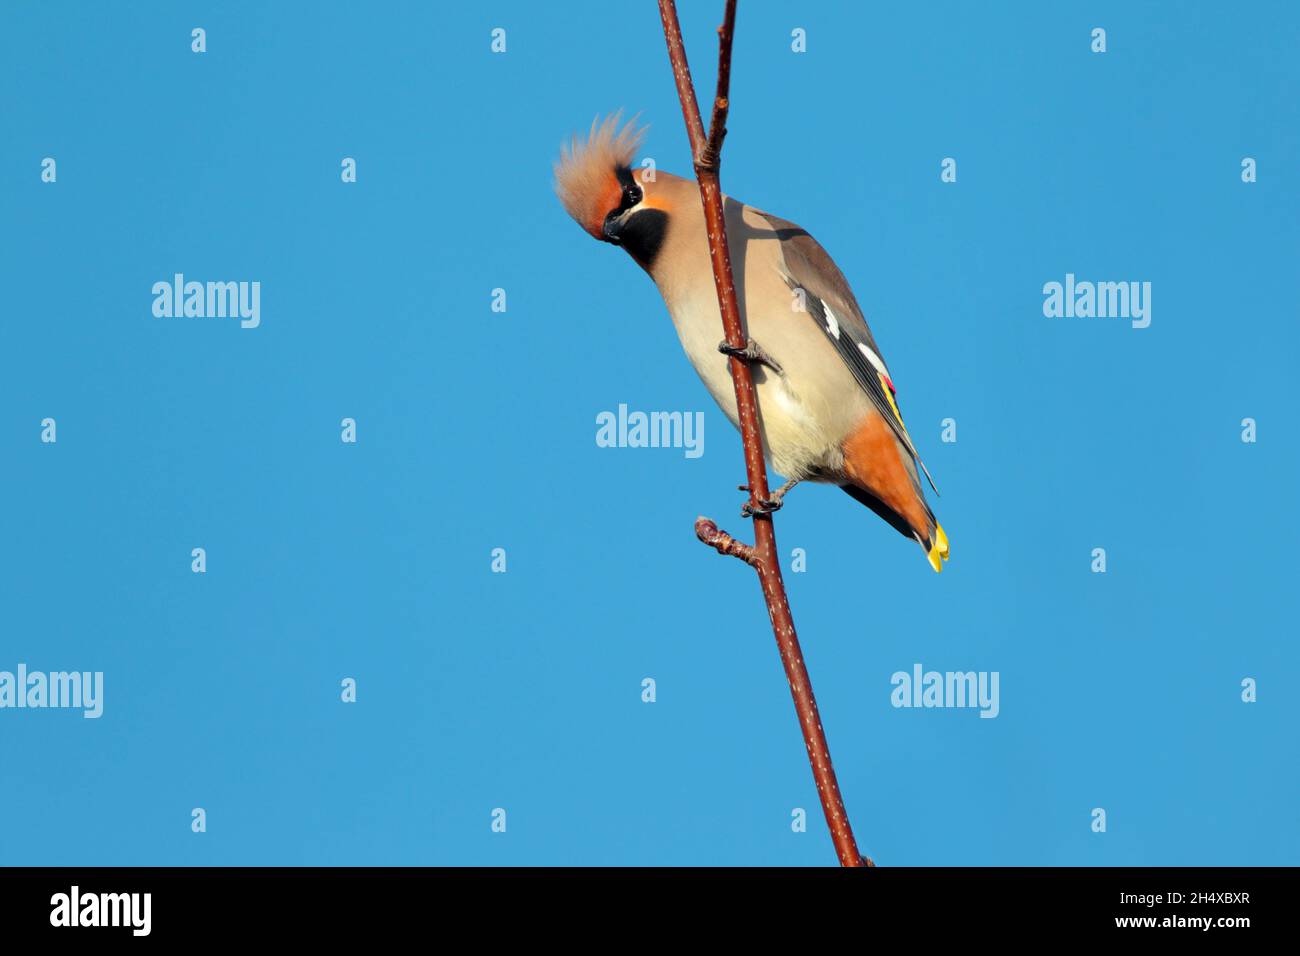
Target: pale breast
<point x="807" y="411"/>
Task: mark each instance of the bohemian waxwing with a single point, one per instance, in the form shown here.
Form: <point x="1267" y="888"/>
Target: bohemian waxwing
<point x="826" y="401"/>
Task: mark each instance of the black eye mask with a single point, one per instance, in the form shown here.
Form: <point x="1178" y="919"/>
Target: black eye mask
<point x="641" y="234"/>
<point x="631" y="196"/>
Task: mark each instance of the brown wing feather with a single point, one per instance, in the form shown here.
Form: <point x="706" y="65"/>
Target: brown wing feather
<point x="816" y="272"/>
<point x="811" y="269"/>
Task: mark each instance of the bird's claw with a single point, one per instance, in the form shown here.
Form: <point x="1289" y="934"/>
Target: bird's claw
<point x="765" y="507"/>
<point x="752" y="352"/>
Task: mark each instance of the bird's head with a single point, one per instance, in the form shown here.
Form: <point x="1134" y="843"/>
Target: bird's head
<point x="596" y="184"/>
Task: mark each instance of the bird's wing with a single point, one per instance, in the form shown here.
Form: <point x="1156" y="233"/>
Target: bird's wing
<point x="829" y="301"/>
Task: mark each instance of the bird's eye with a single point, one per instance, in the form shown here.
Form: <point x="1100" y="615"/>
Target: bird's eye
<point x="632" y="195"/>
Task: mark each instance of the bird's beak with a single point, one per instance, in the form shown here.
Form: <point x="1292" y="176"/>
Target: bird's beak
<point x="614" y="227"/>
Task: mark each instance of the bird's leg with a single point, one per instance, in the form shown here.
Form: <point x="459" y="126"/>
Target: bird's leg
<point x="771" y="504"/>
<point x="752" y="352"/>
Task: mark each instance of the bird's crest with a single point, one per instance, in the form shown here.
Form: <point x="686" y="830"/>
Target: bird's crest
<point x="586" y="174"/>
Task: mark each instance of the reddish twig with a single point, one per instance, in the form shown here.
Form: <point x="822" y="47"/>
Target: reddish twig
<point x="709" y="533"/>
<point x="706" y="150"/>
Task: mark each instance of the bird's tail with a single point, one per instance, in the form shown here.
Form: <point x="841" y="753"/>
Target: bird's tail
<point x="927" y="531"/>
<point x="936" y="547"/>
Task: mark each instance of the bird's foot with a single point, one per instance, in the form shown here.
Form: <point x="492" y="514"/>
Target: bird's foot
<point x="752" y="352"/>
<point x="766" y="506"/>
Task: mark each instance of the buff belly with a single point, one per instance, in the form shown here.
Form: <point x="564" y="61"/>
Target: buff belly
<point x="805" y="413"/>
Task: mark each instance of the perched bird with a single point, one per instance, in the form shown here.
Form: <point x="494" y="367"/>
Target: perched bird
<point x="826" y="401"/>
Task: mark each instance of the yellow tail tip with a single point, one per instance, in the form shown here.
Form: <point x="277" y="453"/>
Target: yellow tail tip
<point x="938" y="553"/>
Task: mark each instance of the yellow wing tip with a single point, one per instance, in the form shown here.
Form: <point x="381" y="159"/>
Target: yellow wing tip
<point x="938" y="553"/>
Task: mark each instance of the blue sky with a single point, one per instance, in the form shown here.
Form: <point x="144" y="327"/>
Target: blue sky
<point x="476" y="430"/>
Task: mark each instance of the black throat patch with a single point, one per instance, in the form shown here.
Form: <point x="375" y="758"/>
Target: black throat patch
<point x="643" y="235"/>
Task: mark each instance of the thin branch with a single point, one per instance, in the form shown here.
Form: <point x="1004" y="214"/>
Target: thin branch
<point x="710" y="158"/>
<point x="714" y="537"/>
<point x="707" y="155"/>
